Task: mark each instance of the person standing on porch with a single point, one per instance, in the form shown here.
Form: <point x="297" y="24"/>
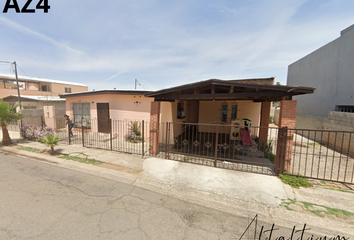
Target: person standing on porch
<point x="70" y="123"/>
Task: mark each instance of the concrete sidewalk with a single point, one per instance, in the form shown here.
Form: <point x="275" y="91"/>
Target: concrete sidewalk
<point x="240" y="193"/>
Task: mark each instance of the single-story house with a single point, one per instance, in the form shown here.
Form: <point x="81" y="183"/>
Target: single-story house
<point x="203" y="104"/>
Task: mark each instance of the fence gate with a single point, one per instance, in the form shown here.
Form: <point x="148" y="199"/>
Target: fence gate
<point x="323" y="154"/>
<point x="211" y="145"/>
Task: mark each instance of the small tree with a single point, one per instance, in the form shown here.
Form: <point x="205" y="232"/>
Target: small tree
<point x="7" y="114"/>
<point x="50" y="140"/>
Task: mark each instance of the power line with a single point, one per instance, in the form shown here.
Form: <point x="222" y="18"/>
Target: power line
<point x="22" y="70"/>
<point x="139" y="83"/>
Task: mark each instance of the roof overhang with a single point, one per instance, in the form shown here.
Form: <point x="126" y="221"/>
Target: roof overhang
<point x="215" y="89"/>
<point x="14" y="98"/>
<point x="105" y="92"/>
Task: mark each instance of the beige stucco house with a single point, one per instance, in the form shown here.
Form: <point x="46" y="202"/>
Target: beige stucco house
<point x="35" y="92"/>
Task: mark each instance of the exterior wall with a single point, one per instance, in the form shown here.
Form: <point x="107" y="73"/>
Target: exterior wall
<point x="210" y="112"/>
<point x="56" y="90"/>
<point x="8" y="92"/>
<point x="59" y="89"/>
<point x="122" y="107"/>
<point x="330" y="70"/>
<point x="33" y="86"/>
<point x="336" y="121"/>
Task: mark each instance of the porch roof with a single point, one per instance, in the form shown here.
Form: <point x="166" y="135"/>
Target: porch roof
<point x="216" y="89"/>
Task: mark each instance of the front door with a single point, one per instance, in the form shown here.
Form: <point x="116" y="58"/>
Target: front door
<point x="103" y="117"/>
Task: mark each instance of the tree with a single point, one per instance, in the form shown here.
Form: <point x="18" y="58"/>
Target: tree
<point x="7" y="114"/>
<point x="50" y="140"/>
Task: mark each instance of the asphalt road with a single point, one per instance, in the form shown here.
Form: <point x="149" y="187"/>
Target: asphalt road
<point x="43" y="201"/>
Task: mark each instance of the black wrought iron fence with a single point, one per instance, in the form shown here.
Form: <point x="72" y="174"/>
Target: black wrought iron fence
<point x="127" y="136"/>
<point x="323" y="154"/>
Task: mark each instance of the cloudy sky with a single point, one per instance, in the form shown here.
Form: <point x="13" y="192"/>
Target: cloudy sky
<point x="164" y="43"/>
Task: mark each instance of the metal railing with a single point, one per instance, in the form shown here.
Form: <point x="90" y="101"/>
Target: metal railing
<point x="114" y="135"/>
<point x="323" y="154"/>
<point x="214" y="145"/>
<point x="318" y="154"/>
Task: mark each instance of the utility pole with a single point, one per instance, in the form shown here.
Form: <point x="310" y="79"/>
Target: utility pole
<point x="135" y="83"/>
<point x="18" y="87"/>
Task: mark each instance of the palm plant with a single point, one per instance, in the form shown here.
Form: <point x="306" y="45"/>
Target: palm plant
<point x="135" y="127"/>
<point x="50" y="140"/>
<point x="7" y="114"/>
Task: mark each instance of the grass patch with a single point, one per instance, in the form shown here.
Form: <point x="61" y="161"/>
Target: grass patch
<point x="81" y="157"/>
<point x="341" y="190"/>
<point x="329" y="211"/>
<point x="29" y="149"/>
<point x="295" y="181"/>
<point x="287" y="203"/>
<point x="318" y="210"/>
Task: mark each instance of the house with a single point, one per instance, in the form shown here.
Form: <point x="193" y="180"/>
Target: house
<point x="98" y="106"/>
<point x="330" y="70"/>
<point x="198" y="114"/>
<point x="33" y="89"/>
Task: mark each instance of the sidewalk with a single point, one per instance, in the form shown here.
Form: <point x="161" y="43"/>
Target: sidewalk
<point x="240" y="193"/>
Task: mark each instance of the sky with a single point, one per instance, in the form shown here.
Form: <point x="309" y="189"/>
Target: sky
<point x="165" y="43"/>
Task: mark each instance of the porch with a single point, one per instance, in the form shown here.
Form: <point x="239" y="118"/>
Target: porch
<point x="204" y="115"/>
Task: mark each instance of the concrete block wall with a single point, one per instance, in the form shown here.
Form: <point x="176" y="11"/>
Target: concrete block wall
<point x="336" y="121"/>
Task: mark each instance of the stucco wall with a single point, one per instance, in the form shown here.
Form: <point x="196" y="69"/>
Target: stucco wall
<point x="210" y="112"/>
<point x="60" y="88"/>
<point x="56" y="89"/>
<point x="122" y="107"/>
<point x="330" y="70"/>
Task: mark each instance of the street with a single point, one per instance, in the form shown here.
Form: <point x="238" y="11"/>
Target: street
<point x="43" y="201"/>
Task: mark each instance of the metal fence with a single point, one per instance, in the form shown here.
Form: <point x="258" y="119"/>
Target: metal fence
<point x="318" y="154"/>
<point x="323" y="154"/>
<point x="212" y="145"/>
<point x="114" y="135"/>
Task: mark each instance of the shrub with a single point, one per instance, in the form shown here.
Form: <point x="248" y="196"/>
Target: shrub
<point x="32" y="132"/>
<point x="295" y="181"/>
<point x="134" y="133"/>
<point x="133" y="137"/>
<point x="50" y="140"/>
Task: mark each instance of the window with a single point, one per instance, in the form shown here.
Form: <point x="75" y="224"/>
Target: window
<point x="224" y="113"/>
<point x="82" y="111"/>
<point x="234" y="111"/>
<point x="180" y="110"/>
<point x="45" y="88"/>
<point x="67" y="90"/>
<point x="343" y="108"/>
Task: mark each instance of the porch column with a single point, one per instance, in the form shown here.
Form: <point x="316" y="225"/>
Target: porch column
<point x="264" y="123"/>
<point x="154" y="128"/>
<point x="287" y="118"/>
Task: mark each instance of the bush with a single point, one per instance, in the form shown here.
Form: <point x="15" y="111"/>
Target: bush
<point x="50" y="140"/>
<point x="133" y="137"/>
<point x="32" y="132"/>
<point x="134" y="133"/>
<point x="295" y="181"/>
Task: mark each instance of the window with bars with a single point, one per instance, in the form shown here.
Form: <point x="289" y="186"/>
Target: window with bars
<point x="82" y="112"/>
